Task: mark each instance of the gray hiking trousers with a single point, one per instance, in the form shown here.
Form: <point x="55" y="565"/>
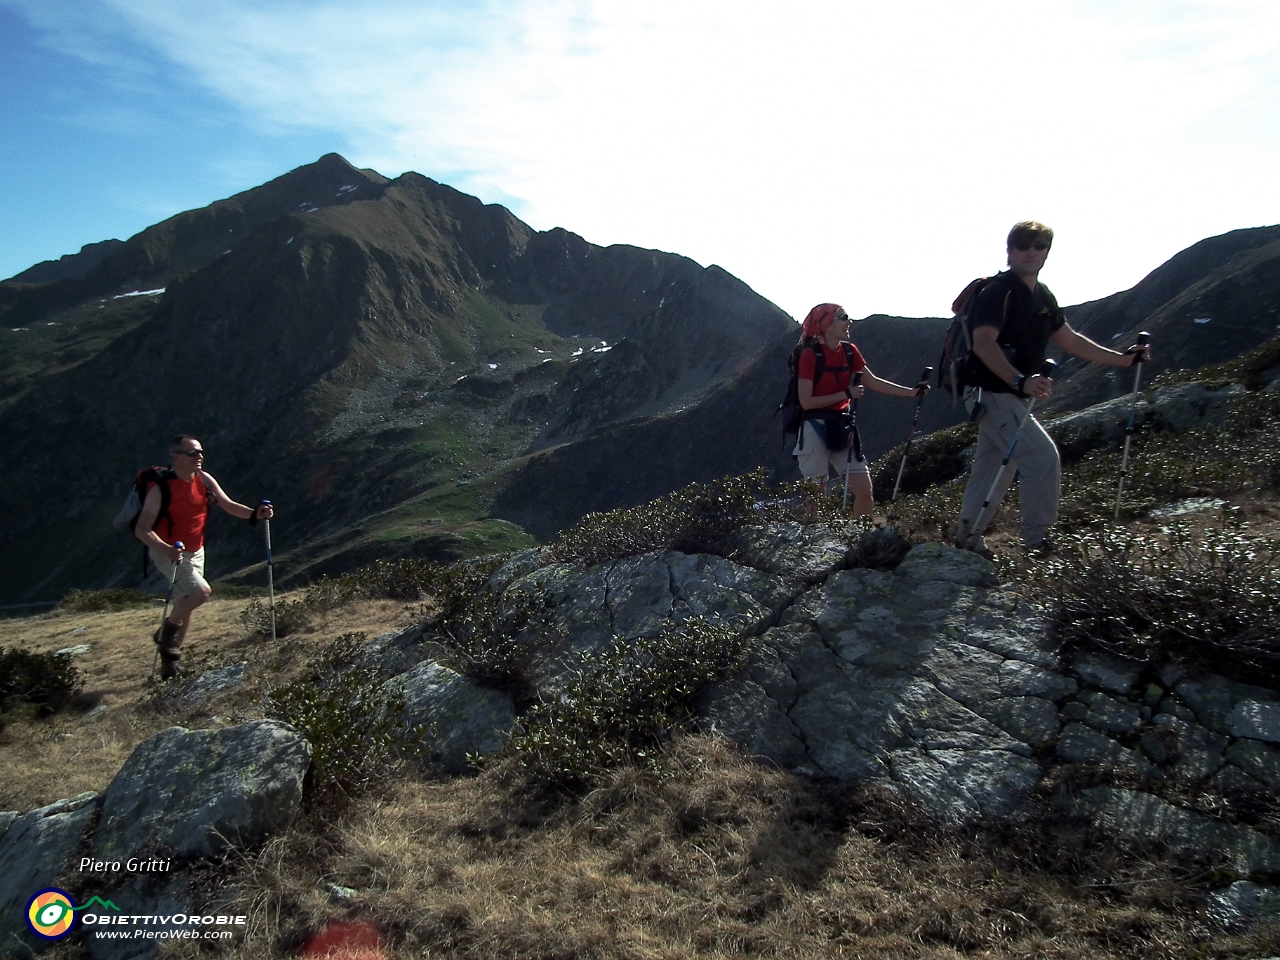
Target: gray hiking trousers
<point x="1035" y="459"/>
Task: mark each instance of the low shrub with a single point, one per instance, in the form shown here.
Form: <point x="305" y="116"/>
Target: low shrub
<point x="494" y="637"/>
<point x="935" y="459"/>
<point x="355" y="732"/>
<point x="98" y="601"/>
<point x="1252" y="368"/>
<point x="1241" y="454"/>
<point x="409" y="579"/>
<point x="624" y="703"/>
<point x="694" y="519"/>
<point x="45" y="681"/>
<point x="1209" y="601"/>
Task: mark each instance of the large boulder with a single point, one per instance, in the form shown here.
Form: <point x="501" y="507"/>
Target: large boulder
<point x="635" y="597"/>
<point x="1182" y="406"/>
<point x="1103" y="423"/>
<point x="459" y="717"/>
<point x="1175" y="408"/>
<point x="919" y="677"/>
<point x="35" y="851"/>
<point x="189" y="794"/>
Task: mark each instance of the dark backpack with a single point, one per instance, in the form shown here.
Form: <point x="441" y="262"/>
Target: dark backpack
<point x="955" y="366"/>
<point x="127" y="518"/>
<point x="793" y="415"/>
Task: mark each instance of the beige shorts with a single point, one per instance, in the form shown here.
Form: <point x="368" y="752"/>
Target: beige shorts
<point x="190" y="577"/>
<point x="815" y="459"/>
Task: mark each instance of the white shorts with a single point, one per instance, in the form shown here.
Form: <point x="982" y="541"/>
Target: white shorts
<point x="815" y="459"/>
<point x="190" y="572"/>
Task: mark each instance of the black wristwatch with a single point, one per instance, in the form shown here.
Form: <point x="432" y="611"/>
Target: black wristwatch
<point x="1018" y="381"/>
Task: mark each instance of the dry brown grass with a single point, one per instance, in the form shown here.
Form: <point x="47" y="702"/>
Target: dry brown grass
<point x="43" y="760"/>
<point x="725" y="858"/>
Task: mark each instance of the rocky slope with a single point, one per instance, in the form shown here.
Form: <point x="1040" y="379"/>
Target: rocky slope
<point x="929" y="678"/>
<point x="922" y="673"/>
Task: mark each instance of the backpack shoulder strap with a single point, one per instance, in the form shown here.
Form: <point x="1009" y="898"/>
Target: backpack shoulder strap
<point x="208" y="490"/>
<point x="819" y="360"/>
<point x="162" y="476"/>
<point x="848" y="352"/>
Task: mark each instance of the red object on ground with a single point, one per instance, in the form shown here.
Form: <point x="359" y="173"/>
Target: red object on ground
<point x="345" y="940"/>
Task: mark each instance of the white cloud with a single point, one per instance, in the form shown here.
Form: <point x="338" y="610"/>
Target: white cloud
<point x="870" y="153"/>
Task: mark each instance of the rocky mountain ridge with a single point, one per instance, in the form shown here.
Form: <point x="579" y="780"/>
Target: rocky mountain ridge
<point x="392" y="341"/>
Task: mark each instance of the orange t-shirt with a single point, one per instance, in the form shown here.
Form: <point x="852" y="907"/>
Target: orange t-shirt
<point x="187" y="514"/>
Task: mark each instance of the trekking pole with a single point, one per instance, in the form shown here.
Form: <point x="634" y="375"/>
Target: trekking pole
<point x="924" y="377"/>
<point x="988" y="508"/>
<point x="164" y="611"/>
<point x="853" y="439"/>
<point x="1143" y="337"/>
<point x="271" y="586"/>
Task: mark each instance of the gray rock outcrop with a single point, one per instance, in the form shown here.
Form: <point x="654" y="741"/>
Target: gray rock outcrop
<point x="35" y="851"/>
<point x="919" y="677"/>
<point x="1175" y="408"/>
<point x="458" y="716"/>
<point x="210" y="685"/>
<point x="190" y="794"/>
<point x="635" y="597"/>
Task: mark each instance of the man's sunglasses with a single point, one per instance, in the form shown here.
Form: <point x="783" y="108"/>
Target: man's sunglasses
<point x="1024" y="246"/>
<point x="192" y="453"/>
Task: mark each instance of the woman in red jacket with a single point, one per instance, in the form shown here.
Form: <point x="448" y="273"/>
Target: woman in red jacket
<point x="826" y="435"/>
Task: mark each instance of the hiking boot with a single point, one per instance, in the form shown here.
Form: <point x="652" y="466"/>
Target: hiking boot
<point x="166" y="637"/>
<point x="1042" y="548"/>
<point x="169" y="664"/>
<point x="981" y="549"/>
<point x="978" y="545"/>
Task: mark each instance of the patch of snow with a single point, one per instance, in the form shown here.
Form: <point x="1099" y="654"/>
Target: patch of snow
<point x="289" y="241"/>
<point x="52" y="323"/>
<point x="548" y="360"/>
<point x="1201" y="320"/>
<point x="18" y="329"/>
<point x="224" y="253"/>
<point x="139" y="293"/>
<point x="602" y="349"/>
<point x="348" y="188"/>
<point x="576" y="353"/>
<point x="493" y="366"/>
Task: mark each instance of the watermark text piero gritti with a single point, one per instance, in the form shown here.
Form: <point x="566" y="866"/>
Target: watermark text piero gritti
<point x="132" y="865"/>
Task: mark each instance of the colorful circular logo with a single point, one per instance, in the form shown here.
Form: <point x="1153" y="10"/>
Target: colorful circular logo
<point x="51" y="914"/>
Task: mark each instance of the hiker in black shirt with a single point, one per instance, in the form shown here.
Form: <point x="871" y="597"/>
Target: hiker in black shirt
<point x="1014" y="320"/>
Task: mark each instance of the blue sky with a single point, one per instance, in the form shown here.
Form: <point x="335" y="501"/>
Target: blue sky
<point x="868" y="153"/>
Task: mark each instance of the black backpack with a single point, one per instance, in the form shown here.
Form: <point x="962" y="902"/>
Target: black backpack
<point x="127" y="518"/>
<point x="955" y="366"/>
<point x="792" y="413"/>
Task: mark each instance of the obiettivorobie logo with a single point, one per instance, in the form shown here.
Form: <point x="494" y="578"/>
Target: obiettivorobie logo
<point x="51" y="913"/>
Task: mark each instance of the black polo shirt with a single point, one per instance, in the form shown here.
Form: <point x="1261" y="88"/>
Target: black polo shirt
<point x="1025" y="320"/>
